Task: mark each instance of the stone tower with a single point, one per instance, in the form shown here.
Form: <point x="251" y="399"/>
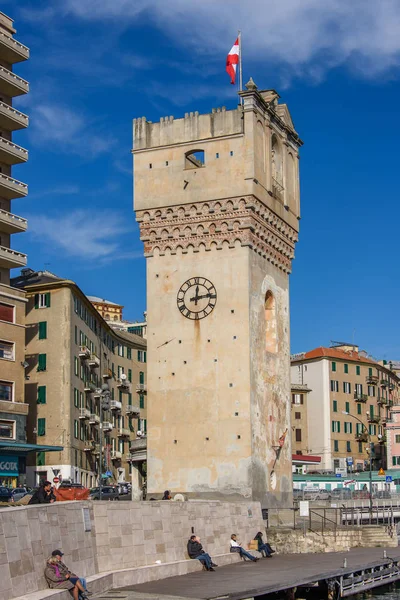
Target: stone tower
<point x="217" y="200"/>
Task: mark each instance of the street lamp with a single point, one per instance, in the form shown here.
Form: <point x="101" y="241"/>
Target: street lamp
<point x="370" y="457"/>
<point x="104" y="405"/>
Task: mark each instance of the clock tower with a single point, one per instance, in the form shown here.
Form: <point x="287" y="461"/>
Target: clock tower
<point x="217" y="200"/>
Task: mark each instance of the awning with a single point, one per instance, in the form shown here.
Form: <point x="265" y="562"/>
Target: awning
<point x="21" y="448"/>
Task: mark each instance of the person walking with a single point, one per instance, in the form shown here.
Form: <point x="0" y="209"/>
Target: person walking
<point x="43" y="495"/>
<point x="263" y="546"/>
<point x="236" y="547"/>
<point x="196" y="551"/>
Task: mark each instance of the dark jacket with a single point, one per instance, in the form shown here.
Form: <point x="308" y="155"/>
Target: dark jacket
<point x="42" y="497"/>
<point x="194" y="549"/>
<point x="55" y="576"/>
<point x="259" y="540"/>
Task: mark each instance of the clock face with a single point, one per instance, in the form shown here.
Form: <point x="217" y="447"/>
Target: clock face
<point x="196" y="298"/>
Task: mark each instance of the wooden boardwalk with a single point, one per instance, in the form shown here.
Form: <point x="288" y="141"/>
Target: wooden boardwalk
<point x="249" y="579"/>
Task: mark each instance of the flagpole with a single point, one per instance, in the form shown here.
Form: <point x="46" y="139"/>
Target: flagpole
<point x="240" y="65"/>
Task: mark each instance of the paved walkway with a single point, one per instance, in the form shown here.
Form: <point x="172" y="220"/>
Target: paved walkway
<point x="249" y="579"/>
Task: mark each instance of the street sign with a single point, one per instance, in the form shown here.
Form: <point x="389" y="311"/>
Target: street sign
<point x="56" y="480"/>
<point x="108" y="474"/>
<point x="338" y="474"/>
<point x="389" y="479"/>
<point x="381" y="472"/>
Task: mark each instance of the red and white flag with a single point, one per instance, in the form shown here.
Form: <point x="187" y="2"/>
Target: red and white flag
<point x="232" y="61"/>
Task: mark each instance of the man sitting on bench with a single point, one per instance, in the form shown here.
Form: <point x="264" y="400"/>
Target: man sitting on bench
<point x="196" y="551"/>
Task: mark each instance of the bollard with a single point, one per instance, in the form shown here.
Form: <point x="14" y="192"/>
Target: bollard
<point x="384" y="554"/>
<point x="345" y="563"/>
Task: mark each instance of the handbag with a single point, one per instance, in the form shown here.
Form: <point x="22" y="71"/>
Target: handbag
<point x="253" y="545"/>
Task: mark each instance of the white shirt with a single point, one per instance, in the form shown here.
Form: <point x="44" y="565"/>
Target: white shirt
<point x="234" y="544"/>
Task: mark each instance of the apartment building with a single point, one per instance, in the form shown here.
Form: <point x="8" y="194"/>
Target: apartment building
<point x="13" y="410"/>
<point x="110" y="311"/>
<point x="349" y="403"/>
<point x="299" y="418"/>
<point x="71" y="351"/>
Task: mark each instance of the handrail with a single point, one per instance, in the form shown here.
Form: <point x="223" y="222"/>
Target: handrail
<point x="12" y="216"/>
<point x="14" y="146"/>
<point x="14" y="110"/>
<point x="14" y="76"/>
<point x="12" y="180"/>
<point x="14" y="41"/>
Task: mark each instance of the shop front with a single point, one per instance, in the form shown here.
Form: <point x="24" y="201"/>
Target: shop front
<point x="13" y="461"/>
<point x="9" y="470"/>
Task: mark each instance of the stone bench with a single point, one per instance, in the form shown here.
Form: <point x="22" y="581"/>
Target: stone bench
<point x="101" y="582"/>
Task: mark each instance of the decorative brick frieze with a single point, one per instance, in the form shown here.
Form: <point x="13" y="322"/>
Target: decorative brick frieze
<point x="213" y="225"/>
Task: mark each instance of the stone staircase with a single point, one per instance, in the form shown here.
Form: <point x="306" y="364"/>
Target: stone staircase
<point x="376" y="535"/>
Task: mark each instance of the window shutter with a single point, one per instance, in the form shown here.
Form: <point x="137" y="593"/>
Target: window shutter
<point x="145" y="356"/>
<point x="36" y="300"/>
<point x="41" y="394"/>
<point x="141" y="401"/>
<point x="40" y="459"/>
<point x="130" y="375"/>
<point x="43" y="330"/>
<point x="48" y="300"/>
<point x="145" y="425"/>
<point x="42" y="362"/>
<point x="141" y="377"/>
<point x="120" y="395"/>
<point x="41" y="427"/>
<point x="333" y="426"/>
<point x="338" y="426"/>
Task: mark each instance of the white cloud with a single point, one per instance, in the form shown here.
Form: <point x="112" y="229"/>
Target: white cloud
<point x="365" y="34"/>
<point x="84" y="234"/>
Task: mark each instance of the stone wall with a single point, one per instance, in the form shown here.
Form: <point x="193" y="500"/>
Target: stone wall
<point x="123" y="535"/>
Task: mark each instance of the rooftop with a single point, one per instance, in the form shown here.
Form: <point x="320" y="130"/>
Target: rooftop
<point x="102" y="301"/>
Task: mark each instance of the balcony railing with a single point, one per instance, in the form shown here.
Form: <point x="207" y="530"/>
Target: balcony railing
<point x="382" y="400"/>
<point x="94" y="419"/>
<point x="11" y="259"/>
<point x="374" y="419"/>
<point x="107" y="374"/>
<point x="11" y="223"/>
<point x="362" y="437"/>
<point x="12" y="188"/>
<point x="107" y="426"/>
<point x="12" y="51"/>
<point x="372" y="379"/>
<point x="89" y="386"/>
<point x="138" y="444"/>
<point x="141" y="388"/>
<point x="94" y="361"/>
<point x="115" y="405"/>
<point x="11" y="118"/>
<point x="12" y="154"/>
<point x="11" y="84"/>
<point x="132" y="411"/>
<point x="123" y="385"/>
<point x="116" y="455"/>
<point x="84" y="413"/>
<point x="84" y="352"/>
<point x="384" y="383"/>
<point x="391" y="386"/>
<point x="89" y="446"/>
<point x="123" y="432"/>
<point x="360" y="397"/>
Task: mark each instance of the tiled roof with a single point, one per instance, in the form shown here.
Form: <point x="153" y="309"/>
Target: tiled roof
<point x="322" y="352"/>
<point x="102" y="300"/>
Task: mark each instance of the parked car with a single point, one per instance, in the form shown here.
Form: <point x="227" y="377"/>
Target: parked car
<point x="5" y="494"/>
<point x="123" y="489"/>
<point x="341" y="494"/>
<point x="69" y="485"/>
<point x="18" y="493"/>
<point x="107" y="493"/>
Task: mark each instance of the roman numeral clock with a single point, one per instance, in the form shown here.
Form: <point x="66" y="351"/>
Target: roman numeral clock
<point x="196" y="298"/>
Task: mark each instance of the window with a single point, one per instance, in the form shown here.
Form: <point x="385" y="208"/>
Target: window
<point x="333" y="367"/>
<point x="298" y="435"/>
<point x="346" y="387"/>
<point x="371" y="410"/>
<point x="348" y="446"/>
<point x="270" y="323"/>
<point x="371" y="391"/>
<point x="76" y="366"/>
<point x="231" y="153"/>
<point x="360" y="447"/>
<point x="41" y="397"/>
<point x="7" y="429"/>
<point x="76" y="334"/>
<point x="357" y="369"/>
<point x="76" y="398"/>
<point x="217" y="155"/>
<point x="130" y="375"/>
<point x="370" y="371"/>
<point x="335" y="406"/>
<point x="40" y="459"/>
<point x="359" y="409"/>
<point x="145" y="356"/>
<point x="335" y="426"/>
<point x="297" y="398"/>
<point x="397" y="439"/>
<point x="43" y="330"/>
<point x="359" y="429"/>
<point x="141" y="401"/>
<point x="120" y="395"/>
<point x="6" y="391"/>
<point x="76" y="429"/>
<point x="372" y="430"/>
<point x="141" y="377"/>
<point x="7" y="350"/>
<point x="297" y="415"/>
<point x="335" y="446"/>
<point x="121" y="350"/>
<point x="42" y="300"/>
<point x="334" y="386"/>
<point x="129" y="353"/>
<point x="194" y="159"/>
<point x="41" y="428"/>
<point x="348" y="427"/>
<point x="82" y="432"/>
<point x="346" y="368"/>
<point x="42" y="360"/>
<point x="395" y="460"/>
<point x="7" y="313"/>
<point x="359" y="388"/>
<point x="347" y="407"/>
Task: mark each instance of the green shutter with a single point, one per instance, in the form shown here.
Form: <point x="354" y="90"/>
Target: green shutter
<point x="141" y="401"/>
<point x="338" y="426"/>
<point x="346" y="368"/>
<point x="333" y="426"/>
<point x="145" y="356"/>
<point x="130" y="375"/>
<point x="41" y="398"/>
<point x="120" y="396"/>
<point x="145" y="425"/>
<point x="42" y="362"/>
<point x="141" y="377"/>
<point x="41" y="429"/>
<point x="348" y="407"/>
<point x="333" y="366"/>
<point x="359" y="409"/>
<point x="40" y="459"/>
<point x="357" y="370"/>
<point x="371" y="410"/>
<point x="370" y="371"/>
<point x="36" y="300"/>
<point x="47" y="299"/>
<point x="335" y="406"/>
<point x="129" y="353"/>
<point x="76" y="429"/>
<point x="43" y="330"/>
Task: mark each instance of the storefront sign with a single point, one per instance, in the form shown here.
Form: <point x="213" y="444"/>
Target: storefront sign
<point x="8" y="466"/>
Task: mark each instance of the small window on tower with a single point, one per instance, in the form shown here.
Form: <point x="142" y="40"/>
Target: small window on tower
<point x="194" y="159"/>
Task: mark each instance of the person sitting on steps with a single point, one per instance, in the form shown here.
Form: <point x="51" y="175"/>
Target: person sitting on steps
<point x="196" y="551"/>
<point x="58" y="575"/>
<point x="236" y="547"/>
<point x="263" y="546"/>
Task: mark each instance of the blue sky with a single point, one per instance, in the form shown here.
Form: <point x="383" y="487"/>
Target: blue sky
<point x="96" y="64"/>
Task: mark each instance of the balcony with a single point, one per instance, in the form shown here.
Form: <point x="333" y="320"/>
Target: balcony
<point x="391" y="386"/>
<point x="97" y="449"/>
<point x="10" y="259"/>
<point x="123" y="385"/>
<point x="10" y="223"/>
<point x="84" y="352"/>
<point x="89" y="387"/>
<point x="84" y="413"/>
<point x="90" y="446"/>
<point x="277" y="189"/>
<point x="384" y="383"/>
<point x="132" y="411"/>
<point x="94" y="361"/>
<point x="12" y="154"/>
<point x="116" y="455"/>
<point x="12" y="51"/>
<point x="362" y="437"/>
<point x="107" y="374"/>
<point x="12" y="119"/>
<point x="141" y="388"/>
<point x="12" y="188"/>
<point x="360" y="397"/>
<point x="11" y="84"/>
<point x="107" y="426"/>
<point x="115" y="405"/>
<point x="138" y="450"/>
<point x="374" y="419"/>
<point x="382" y="401"/>
<point x="123" y="432"/>
<point x="372" y="379"/>
<point x="94" y="419"/>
